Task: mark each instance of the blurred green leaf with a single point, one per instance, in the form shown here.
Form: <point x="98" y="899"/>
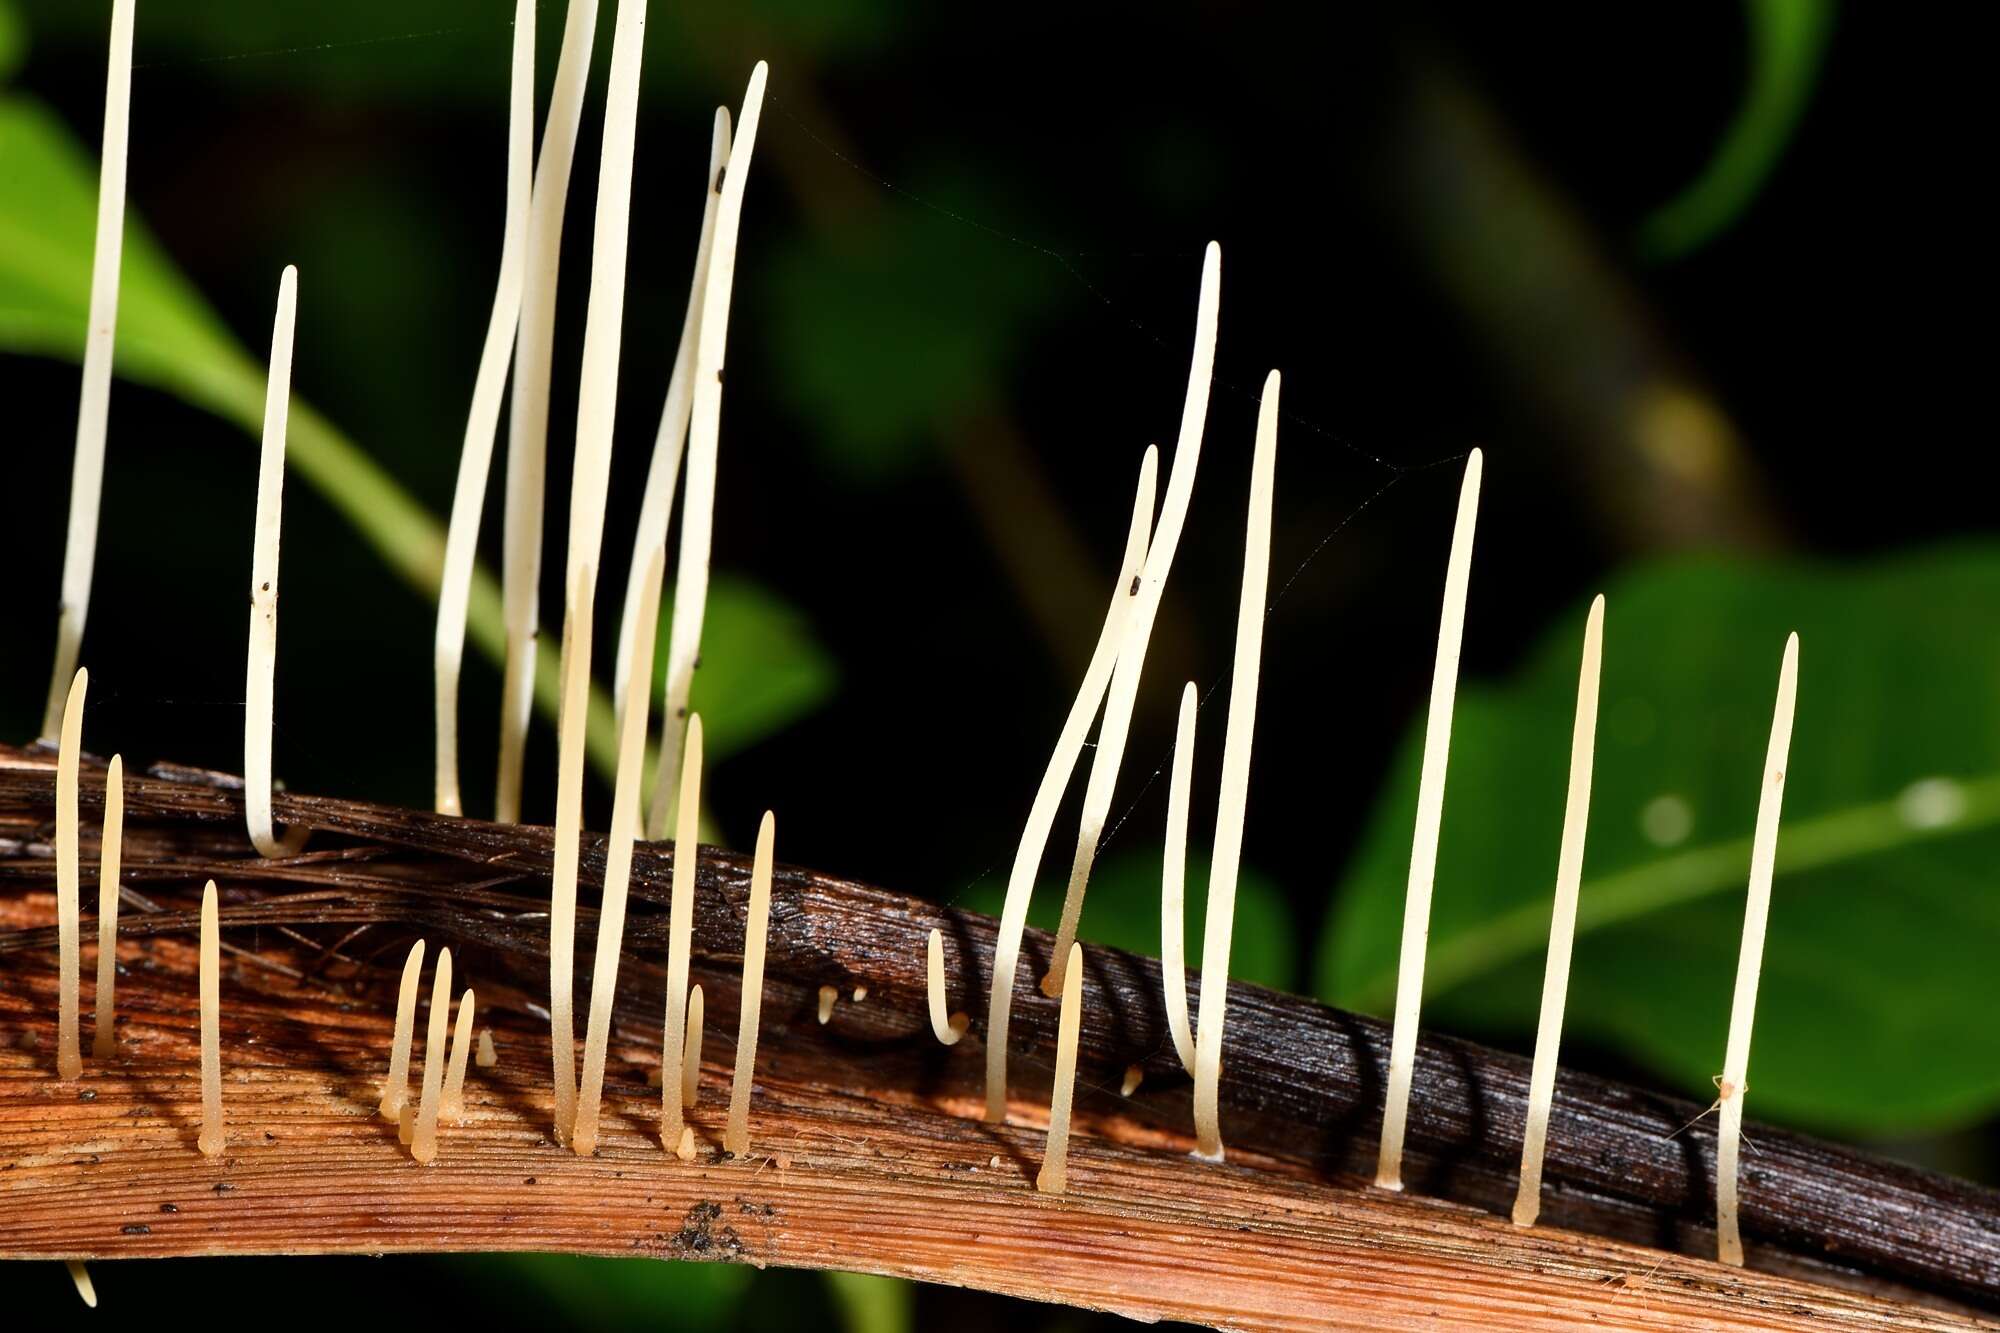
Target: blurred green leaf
<point x="761" y="667"/>
<point x="870" y="1304"/>
<point x="1122" y="910"/>
<point x="1874" y="1012"/>
<point x="1787" y="41"/>
<point x="575" y="1291"/>
<point x="13" y="39"/>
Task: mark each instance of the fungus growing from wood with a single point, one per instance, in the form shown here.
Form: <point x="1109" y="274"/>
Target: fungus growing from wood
<point x="423" y="1144"/>
<point x="452" y="1108"/>
<point x="93" y="412"/>
<point x="1173" y="885"/>
<point x="261" y="673"/>
<point x="756" y="932"/>
<point x="829" y="995"/>
<point x="1562" y="921"/>
<point x="475" y="458"/>
<point x="680" y="937"/>
<point x="103" y="1045"/>
<point x="69" y="879"/>
<point x="691" y="1049"/>
<point x="1053" y="1178"/>
<point x="1424" y="844"/>
<point x="212" y="1138"/>
<point x="571" y="725"/>
<point x="947" y="1030"/>
<point x="80" y="1275"/>
<point x="487" y="1057"/>
<point x="396" y="1087"/>
<point x="1750" y="960"/>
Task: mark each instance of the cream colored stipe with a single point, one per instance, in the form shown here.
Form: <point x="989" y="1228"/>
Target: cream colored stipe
<point x="396" y="1087"/>
<point x="691" y="1049"/>
<point x="704" y="433"/>
<point x="947" y="1030"/>
<point x="1053" y="1178"/>
<point x="86" y="1290"/>
<point x="828" y="997"/>
<point x="93" y="410"/>
<point x="571" y="724"/>
<point x="475" y="459"/>
<point x="756" y="933"/>
<point x="1173" y="885"/>
<point x="104" y="1045"/>
<point x="1237" y="738"/>
<point x="1562" y="921"/>
<point x="69" y="881"/>
<point x="212" y="1138"/>
<point x="1424" y="843"/>
<point x="528" y="422"/>
<point x="1062" y="764"/>
<point x="423" y="1143"/>
<point x="487" y="1056"/>
<point x="680" y="936"/>
<point x="261" y="673"/>
<point x="1750" y="961"/>
<point x="625" y="807"/>
<point x="452" y="1108"/>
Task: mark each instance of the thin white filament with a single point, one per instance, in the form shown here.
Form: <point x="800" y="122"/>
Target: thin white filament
<point x="104" y="1044"/>
<point x="1053" y="1178"/>
<point x="704" y="432"/>
<point x="423" y="1143"/>
<point x="691" y="1049"/>
<point x="680" y="936"/>
<point x="261" y="673"/>
<point x="93" y="412"/>
<point x="86" y="1290"/>
<point x="475" y="459"/>
<point x="1750" y="961"/>
<point x="69" y="881"/>
<point x="756" y="932"/>
<point x="212" y="1139"/>
<point x="1562" y="921"/>
<point x="396" y="1087"/>
<point x="1173" y="885"/>
<point x="571" y="723"/>
<point x="1062" y="764"/>
<point x="947" y="1030"/>
<point x="618" y="862"/>
<point x="1237" y="740"/>
<point x="1112" y="732"/>
<point x="1424" y="844"/>
<point x="452" y="1107"/>
<point x="528" y="423"/>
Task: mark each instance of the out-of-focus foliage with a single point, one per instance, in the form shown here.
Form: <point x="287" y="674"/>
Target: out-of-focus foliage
<point x="575" y="1291"/>
<point x="1874" y="1013"/>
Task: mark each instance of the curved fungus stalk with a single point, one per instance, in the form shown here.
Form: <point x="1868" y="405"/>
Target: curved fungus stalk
<point x="571" y="724"/>
<point x="396" y="1087"/>
<point x="691" y="1049"/>
<point x="475" y="459"/>
<point x="1173" y="885"/>
<point x="946" y="1029"/>
<point x="1053" y="1178"/>
<point x="756" y="932"/>
<point x="1424" y="843"/>
<point x="69" y="880"/>
<point x="212" y="1139"/>
<point x="93" y="411"/>
<point x="452" y="1107"/>
<point x="104" y="1043"/>
<point x="680" y="938"/>
<point x="1562" y="920"/>
<point x="423" y="1142"/>
<point x="528" y="422"/>
<point x="86" y="1290"/>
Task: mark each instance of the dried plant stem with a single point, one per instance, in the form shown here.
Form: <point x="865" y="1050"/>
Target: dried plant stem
<point x="453" y="1106"/>
<point x="69" y="880"/>
<point x="680" y="936"/>
<point x="1173" y="885"/>
<point x="1562" y="921"/>
<point x="104" y="1044"/>
<point x="750" y="1008"/>
<point x="423" y="1143"/>
<point x="396" y="1087"/>
<point x="571" y="725"/>
<point x="1424" y="844"/>
<point x="212" y="1139"/>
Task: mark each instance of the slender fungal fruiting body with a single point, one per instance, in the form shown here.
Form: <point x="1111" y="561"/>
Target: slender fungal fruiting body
<point x="486" y="1057"/>
<point x="691" y="1049"/>
<point x="828" y="997"/>
<point x="1562" y="921"/>
<point x="704" y="431"/>
<point x="625" y="814"/>
<point x="947" y="1030"/>
<point x="756" y="931"/>
<point x="423" y="1142"/>
<point x="528" y="423"/>
<point x="680" y="937"/>
<point x="396" y="1087"/>
<point x="475" y="459"/>
<point x="103" y="1045"/>
<point x="571" y="723"/>
<point x="1424" y="843"/>
<point x="69" y="881"/>
<point x="1173" y="885"/>
<point x="1055" y="777"/>
<point x="452" y="1107"/>
<point x="1750" y="960"/>
<point x="1237" y="739"/>
<point x="212" y="1138"/>
<point x="1053" y="1178"/>
<point x="261" y="674"/>
<point x="93" y="412"/>
<point x="80" y="1275"/>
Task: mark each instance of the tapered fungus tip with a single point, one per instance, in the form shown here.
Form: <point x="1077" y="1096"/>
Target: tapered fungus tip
<point x="684" y="1149"/>
<point x="85" y="1288"/>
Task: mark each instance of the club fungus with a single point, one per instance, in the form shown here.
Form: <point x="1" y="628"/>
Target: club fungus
<point x="1750" y="961"/>
<point x="680" y="936"/>
<point x="475" y="458"/>
<point x="528" y="422"/>
<point x="69" y="881"/>
<point x="756" y="931"/>
<point x="625" y="810"/>
<point x="452" y="1107"/>
<point x="212" y="1139"/>
<point x="1237" y="738"/>
<point x="1042" y="814"/>
<point x="1054" y="1175"/>
<point x="396" y="1087"/>
<point x="102" y="1045"/>
<point x="691" y="1049"/>
<point x="1424" y="844"/>
<point x="570" y="726"/>
<point x="1562" y="922"/>
<point x="487" y="1057"/>
<point x="261" y="673"/>
<point x="85" y="1288"/>
<point x="423" y="1143"/>
<point x="1117" y="722"/>
<point x="1173" y="885"/>
<point x="93" y="413"/>
<point x="947" y="1030"/>
<point x="704" y="430"/>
